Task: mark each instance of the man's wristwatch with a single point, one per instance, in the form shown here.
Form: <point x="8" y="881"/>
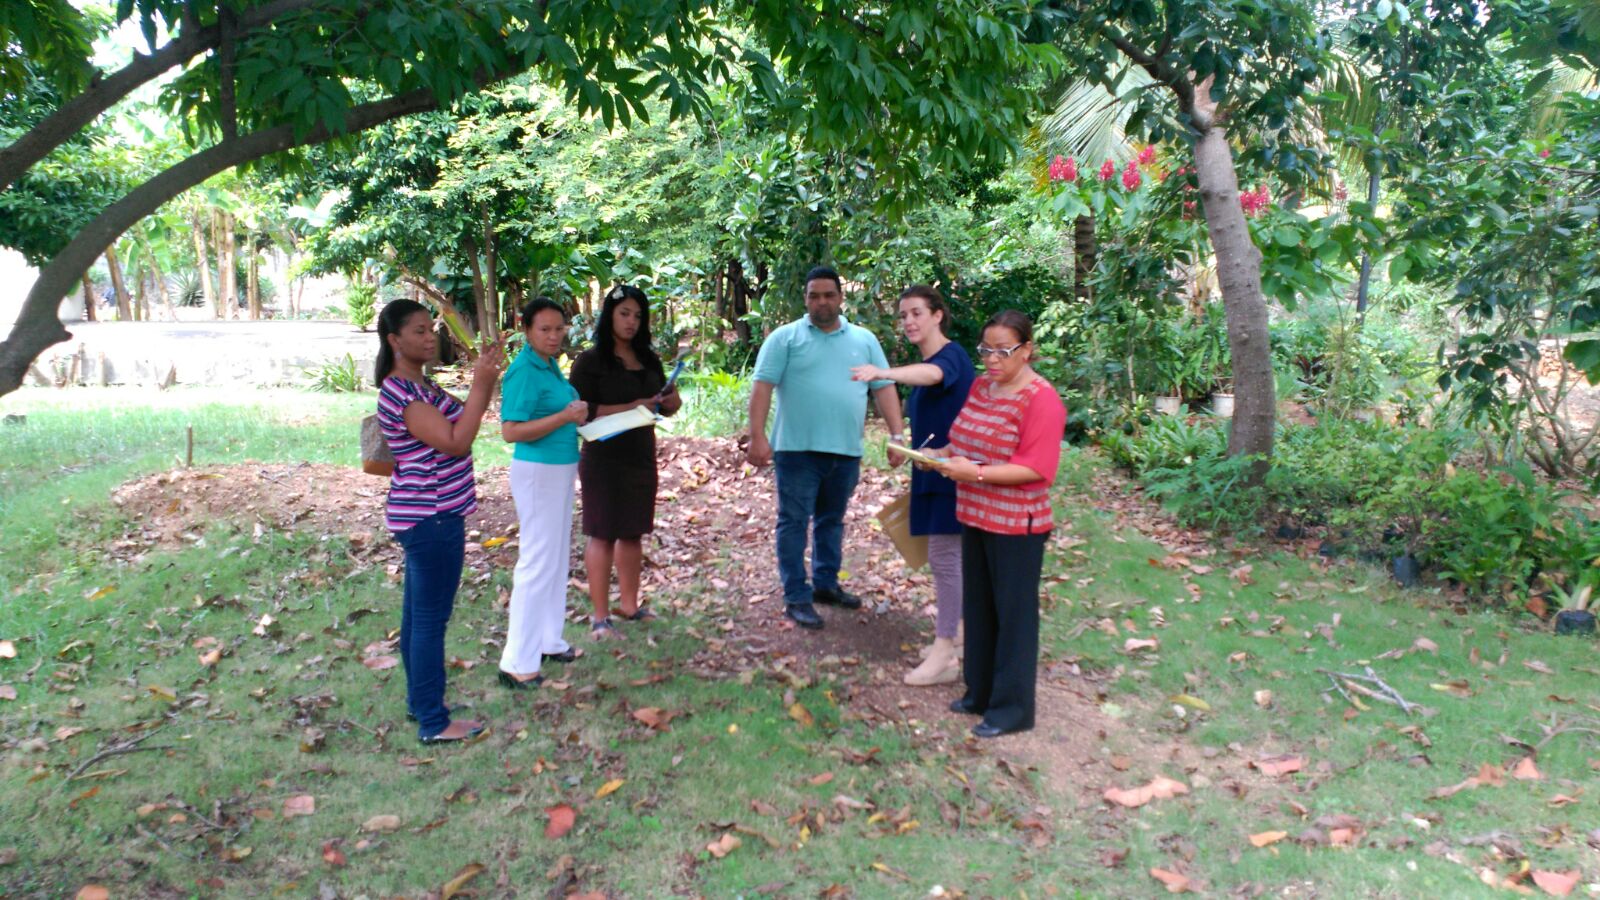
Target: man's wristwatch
<point x="897" y="439"/>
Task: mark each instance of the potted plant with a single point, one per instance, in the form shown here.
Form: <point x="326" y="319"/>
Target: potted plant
<point x="1574" y="616"/>
<point x="1222" y="398"/>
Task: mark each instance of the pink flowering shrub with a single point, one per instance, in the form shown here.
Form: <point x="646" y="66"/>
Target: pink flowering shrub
<point x="1063" y="169"/>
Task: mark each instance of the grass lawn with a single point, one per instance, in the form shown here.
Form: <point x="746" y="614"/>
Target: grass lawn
<point x="688" y="736"/>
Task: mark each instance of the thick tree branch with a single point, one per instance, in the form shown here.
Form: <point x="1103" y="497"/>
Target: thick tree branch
<point x="37" y="326"/>
<point x="60" y="126"/>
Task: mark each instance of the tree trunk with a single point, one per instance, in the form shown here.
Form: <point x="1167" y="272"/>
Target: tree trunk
<point x="482" y="321"/>
<point x="141" y="292"/>
<point x="89" y="299"/>
<point x="161" y="289"/>
<point x="117" y="286"/>
<point x="202" y="260"/>
<point x="491" y="278"/>
<point x="1239" y="274"/>
<point x="1365" y="281"/>
<point x="252" y="286"/>
<point x="1084" y="253"/>
<point x="227" y="267"/>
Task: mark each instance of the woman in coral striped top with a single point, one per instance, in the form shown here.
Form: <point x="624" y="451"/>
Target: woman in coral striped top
<point x="431" y="492"/>
<point x="1004" y="449"/>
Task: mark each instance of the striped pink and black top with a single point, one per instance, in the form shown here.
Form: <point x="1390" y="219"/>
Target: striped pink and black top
<point x="1023" y="428"/>
<point x="425" y="482"/>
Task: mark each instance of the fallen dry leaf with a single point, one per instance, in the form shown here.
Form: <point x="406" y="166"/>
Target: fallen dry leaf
<point x="1133" y="645"/>
<point x="299" y="805"/>
<point x="1176" y="884"/>
<point x="1525" y="770"/>
<point x="1556" y="884"/>
<point x="724" y="845"/>
<point x="609" y="788"/>
<point x="1538" y="666"/>
<point x="381" y="824"/>
<point x="1263" y="699"/>
<point x="1241" y="574"/>
<point x="7" y="692"/>
<point x="1425" y="645"/>
<point x="562" y="818"/>
<point x="211" y="657"/>
<point x="1562" y="800"/>
<point x="802" y="715"/>
<point x="654" y="717"/>
<point x="1487" y="775"/>
<point x="454" y="885"/>
<point x="379" y="663"/>
<point x="1267" y="838"/>
<point x="1162" y="788"/>
<point x="332" y="855"/>
<point x="820" y="779"/>
<point x="1276" y="766"/>
<point x="93" y="892"/>
<point x="8" y="650"/>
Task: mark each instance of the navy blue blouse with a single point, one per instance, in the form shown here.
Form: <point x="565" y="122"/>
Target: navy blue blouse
<point x="932" y="409"/>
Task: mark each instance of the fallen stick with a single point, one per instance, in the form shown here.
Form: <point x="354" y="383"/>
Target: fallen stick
<point x="1345" y="694"/>
<point x="1385" y="693"/>
<point x="114" y="750"/>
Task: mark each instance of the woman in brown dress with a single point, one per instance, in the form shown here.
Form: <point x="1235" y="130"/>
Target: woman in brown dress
<point x="618" y="475"/>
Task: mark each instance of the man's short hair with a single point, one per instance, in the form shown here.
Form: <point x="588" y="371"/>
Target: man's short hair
<point x="824" y="272"/>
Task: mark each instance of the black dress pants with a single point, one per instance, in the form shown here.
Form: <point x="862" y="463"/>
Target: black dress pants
<point x="1000" y="604"/>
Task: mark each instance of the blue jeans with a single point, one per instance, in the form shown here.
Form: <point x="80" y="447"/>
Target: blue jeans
<point x="813" y="489"/>
<point x="435" y="550"/>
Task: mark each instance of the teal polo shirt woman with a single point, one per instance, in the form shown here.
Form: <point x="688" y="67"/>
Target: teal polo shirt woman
<point x="540" y="412"/>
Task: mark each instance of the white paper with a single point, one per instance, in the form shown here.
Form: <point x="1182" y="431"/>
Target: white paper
<point x="616" y="423"/>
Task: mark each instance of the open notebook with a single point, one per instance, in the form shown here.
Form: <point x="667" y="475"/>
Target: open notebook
<point x="616" y="423"/>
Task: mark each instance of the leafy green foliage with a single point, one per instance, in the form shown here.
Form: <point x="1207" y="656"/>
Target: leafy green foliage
<point x="338" y="377"/>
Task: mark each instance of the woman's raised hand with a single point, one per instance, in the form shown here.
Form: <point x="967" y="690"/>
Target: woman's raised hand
<point x="867" y="372"/>
<point x="490" y="362"/>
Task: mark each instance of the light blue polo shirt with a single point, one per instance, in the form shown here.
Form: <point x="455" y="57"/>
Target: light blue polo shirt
<point x="534" y="388"/>
<point x="818" y="407"/>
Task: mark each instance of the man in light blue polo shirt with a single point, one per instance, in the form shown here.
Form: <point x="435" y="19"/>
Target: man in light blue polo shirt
<point x="816" y="438"/>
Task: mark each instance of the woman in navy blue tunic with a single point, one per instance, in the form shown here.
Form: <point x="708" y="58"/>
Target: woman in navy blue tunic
<point x="940" y="384"/>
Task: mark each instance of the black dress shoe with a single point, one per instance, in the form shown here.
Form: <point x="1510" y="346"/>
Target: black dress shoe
<point x="517" y="684"/>
<point x="569" y="655"/>
<point x="836" y="597"/>
<point x="965" y="706"/>
<point x="985" y="730"/>
<point x="804" y="615"/>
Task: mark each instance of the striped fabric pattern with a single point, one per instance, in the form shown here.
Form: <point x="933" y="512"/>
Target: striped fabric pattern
<point x="425" y="481"/>
<point x="989" y="431"/>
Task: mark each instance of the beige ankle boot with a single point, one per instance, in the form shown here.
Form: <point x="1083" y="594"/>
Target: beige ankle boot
<point x="939" y="668"/>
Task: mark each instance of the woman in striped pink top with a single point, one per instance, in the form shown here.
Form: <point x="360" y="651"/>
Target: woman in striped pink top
<point x="431" y="492"/>
<point x="1004" y="449"/>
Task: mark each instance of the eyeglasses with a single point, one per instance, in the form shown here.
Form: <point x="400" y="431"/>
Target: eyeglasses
<point x="1002" y="352"/>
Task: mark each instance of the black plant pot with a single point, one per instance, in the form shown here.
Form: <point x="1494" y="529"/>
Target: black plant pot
<point x="1406" y="570"/>
<point x="1574" y="621"/>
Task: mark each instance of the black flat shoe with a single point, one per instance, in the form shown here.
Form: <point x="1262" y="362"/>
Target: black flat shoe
<point x="804" y="615"/>
<point x="410" y="717"/>
<point x="569" y="655"/>
<point x="965" y="707"/>
<point x="441" y="739"/>
<point x="517" y="684"/>
<point x="836" y="597"/>
<point x="642" y="614"/>
<point x="985" y="730"/>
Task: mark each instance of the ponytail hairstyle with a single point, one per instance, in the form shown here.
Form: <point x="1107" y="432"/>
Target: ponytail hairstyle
<point x="390" y="321"/>
<point x="605" y="337"/>
<point x="935" y="300"/>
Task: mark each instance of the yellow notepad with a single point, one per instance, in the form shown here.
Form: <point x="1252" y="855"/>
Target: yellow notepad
<point x="915" y="455"/>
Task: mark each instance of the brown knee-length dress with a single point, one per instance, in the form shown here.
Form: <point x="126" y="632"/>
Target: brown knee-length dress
<point x="618" y="475"/>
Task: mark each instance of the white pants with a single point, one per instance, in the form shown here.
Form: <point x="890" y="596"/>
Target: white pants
<point x="543" y="494"/>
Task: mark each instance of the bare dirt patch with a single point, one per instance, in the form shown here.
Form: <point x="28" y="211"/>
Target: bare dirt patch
<point x="711" y="553"/>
